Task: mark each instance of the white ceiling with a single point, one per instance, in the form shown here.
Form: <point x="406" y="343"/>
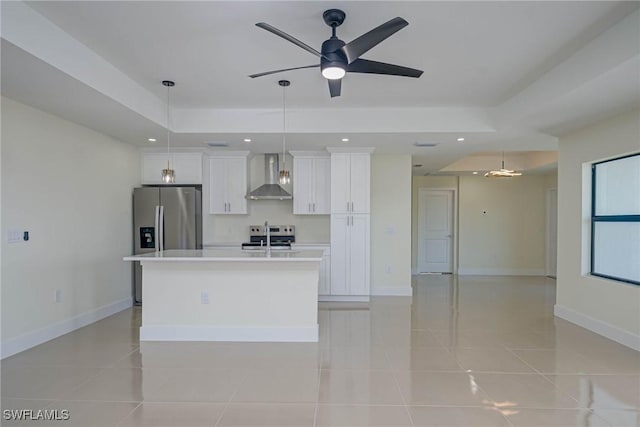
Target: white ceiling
<point x="505" y="75"/>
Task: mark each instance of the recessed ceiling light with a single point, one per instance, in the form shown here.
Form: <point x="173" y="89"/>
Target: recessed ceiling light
<point x="152" y="140"/>
<point x="345" y="139"/>
<point x="460" y="139"/>
<point x="247" y="140"/>
<point x="475" y="173"/>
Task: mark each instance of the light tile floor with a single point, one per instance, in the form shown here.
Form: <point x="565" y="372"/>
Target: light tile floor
<point x="468" y="351"/>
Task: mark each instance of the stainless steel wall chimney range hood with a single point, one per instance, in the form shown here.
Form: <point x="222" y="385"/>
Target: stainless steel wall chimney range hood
<point x="270" y="190"/>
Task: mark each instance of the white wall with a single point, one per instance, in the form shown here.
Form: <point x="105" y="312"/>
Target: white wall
<point x="70" y="187"/>
<point x="234" y="229"/>
<point x="605" y="306"/>
<point x="390" y="224"/>
<point x="510" y="237"/>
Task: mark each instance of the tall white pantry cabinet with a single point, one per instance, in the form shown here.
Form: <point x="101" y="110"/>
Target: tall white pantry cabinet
<point x="350" y="224"/>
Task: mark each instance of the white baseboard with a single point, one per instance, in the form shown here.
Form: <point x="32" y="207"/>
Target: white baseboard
<point x="217" y="333"/>
<point x="37" y="337"/>
<point x="501" y="271"/>
<point x="343" y="298"/>
<point x="395" y="291"/>
<point x="598" y="326"/>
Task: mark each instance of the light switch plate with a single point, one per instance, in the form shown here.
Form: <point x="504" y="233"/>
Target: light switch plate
<point x="14" y="236"/>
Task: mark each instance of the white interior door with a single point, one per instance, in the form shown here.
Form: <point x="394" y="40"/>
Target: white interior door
<point x="435" y="231"/>
<point x="552" y="231"/>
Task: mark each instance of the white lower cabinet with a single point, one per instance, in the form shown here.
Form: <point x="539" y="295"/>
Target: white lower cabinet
<point x="324" y="281"/>
<point x="350" y="256"/>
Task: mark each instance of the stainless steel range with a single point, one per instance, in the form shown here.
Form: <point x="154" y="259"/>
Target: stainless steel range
<point x="281" y="236"/>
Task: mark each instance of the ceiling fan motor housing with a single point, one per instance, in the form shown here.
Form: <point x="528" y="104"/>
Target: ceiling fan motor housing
<point x="333" y="55"/>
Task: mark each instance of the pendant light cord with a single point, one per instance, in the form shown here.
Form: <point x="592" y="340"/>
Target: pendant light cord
<point x="284" y="128"/>
<point x="168" y="124"/>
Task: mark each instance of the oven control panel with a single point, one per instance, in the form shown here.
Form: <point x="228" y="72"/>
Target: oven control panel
<point x="274" y="230"/>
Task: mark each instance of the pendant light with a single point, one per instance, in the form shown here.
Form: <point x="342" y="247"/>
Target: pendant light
<point x="168" y="174"/>
<point x="502" y="173"/>
<point x="284" y="178"/>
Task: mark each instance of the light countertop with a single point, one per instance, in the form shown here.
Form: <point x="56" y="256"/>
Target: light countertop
<point x="228" y="255"/>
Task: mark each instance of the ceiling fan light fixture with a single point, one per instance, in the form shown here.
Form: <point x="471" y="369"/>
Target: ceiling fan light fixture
<point x="333" y="72"/>
<point x="338" y="58"/>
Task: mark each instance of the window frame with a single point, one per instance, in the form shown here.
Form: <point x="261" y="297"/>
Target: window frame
<point x="606" y="218"/>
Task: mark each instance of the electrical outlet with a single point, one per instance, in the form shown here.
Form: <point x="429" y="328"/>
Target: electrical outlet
<point x="204" y="297"/>
<point x="58" y="295"/>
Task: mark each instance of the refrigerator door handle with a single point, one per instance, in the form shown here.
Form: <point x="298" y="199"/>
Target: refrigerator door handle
<point x="157" y="229"/>
<point x="161" y="223"/>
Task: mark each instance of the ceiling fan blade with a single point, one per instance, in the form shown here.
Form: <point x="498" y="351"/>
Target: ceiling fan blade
<point x="355" y="48"/>
<point x="266" y="73"/>
<point x="287" y="37"/>
<point x="375" y="67"/>
<point x="335" y="87"/>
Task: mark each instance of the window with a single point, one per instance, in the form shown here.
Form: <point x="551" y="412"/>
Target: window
<point x="615" y="219"/>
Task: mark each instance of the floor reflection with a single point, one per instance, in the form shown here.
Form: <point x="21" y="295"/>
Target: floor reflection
<point x="462" y="351"/>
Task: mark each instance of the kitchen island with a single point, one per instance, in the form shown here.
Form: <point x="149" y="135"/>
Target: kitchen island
<point x="229" y="295"/>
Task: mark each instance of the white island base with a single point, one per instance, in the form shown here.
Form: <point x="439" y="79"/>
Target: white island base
<point x="216" y="295"/>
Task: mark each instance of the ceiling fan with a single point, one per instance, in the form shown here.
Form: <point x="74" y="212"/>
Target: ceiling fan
<point x="338" y="58"/>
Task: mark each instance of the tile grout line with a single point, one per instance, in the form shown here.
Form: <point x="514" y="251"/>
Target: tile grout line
<point x="315" y="412"/>
<point x="226" y="405"/>
<point x="129" y="414"/>
<point x="504" y="417"/>
<point x="544" y="376"/>
<point x="397" y="383"/>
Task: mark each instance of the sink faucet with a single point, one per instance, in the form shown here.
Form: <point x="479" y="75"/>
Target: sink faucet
<point x="267" y="231"/>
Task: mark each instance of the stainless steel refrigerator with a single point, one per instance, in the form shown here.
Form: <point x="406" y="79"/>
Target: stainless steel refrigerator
<point x="164" y="217"/>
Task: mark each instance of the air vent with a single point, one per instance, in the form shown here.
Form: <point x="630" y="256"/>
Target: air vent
<point x="425" y="144"/>
<point x="214" y="144"/>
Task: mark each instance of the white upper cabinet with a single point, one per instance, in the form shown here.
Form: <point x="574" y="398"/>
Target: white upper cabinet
<point x="228" y="184"/>
<point x="311" y="184"/>
<point x="350" y="183"/>
<point x="187" y="167"/>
